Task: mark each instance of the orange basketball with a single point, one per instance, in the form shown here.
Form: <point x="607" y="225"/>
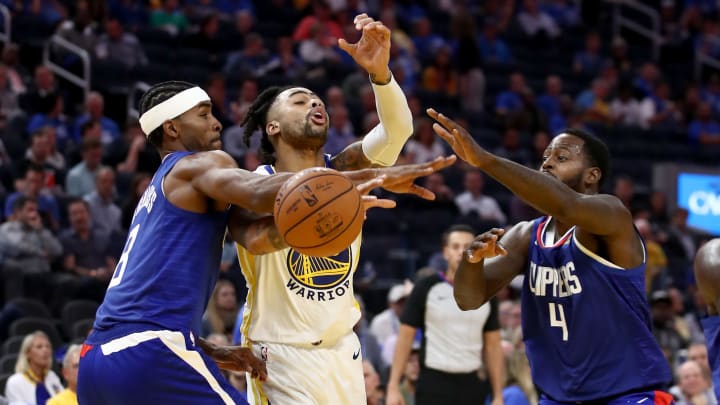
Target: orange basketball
<point x="318" y="212"/>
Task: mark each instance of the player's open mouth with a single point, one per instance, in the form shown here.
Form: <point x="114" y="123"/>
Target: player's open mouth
<point x="318" y="117"/>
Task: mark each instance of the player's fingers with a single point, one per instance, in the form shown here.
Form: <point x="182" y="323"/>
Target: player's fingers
<point x="379" y="203"/>
<point x="365" y="187"/>
<point x="443" y="133"/>
<point x="378" y="28"/>
<point x="346" y="46"/>
<point x="442" y="162"/>
<point x="421" y="192"/>
<point x="362" y="23"/>
<point x="500" y="249"/>
<point x="443" y="119"/>
<point x="498" y="231"/>
<point x="359" y="17"/>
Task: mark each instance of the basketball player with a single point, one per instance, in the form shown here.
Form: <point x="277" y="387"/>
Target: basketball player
<point x="300" y="310"/>
<point x="707" y="277"/>
<point x="144" y="347"/>
<point x="585" y="316"/>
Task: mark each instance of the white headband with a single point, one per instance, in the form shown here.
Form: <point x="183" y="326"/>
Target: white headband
<point x="171" y="108"/>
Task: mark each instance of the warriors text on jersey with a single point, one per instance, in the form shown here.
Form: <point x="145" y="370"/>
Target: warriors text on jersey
<point x="296" y="299"/>
<point x="586" y="322"/>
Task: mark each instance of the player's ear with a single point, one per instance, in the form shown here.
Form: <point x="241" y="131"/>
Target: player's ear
<point x="272" y="127"/>
<point x="593" y="175"/>
<point x="170" y="128"/>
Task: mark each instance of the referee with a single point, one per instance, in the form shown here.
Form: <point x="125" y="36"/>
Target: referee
<point x="455" y="345"/>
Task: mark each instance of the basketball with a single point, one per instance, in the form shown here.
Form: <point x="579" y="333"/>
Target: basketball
<point x="318" y="212"/>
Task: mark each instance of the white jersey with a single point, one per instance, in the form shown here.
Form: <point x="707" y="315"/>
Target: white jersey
<point x="296" y="299"/>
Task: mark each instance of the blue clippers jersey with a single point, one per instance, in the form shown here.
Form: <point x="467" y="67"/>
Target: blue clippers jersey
<point x="168" y="267"/>
<point x="711" y="328"/>
<point x="586" y="323"/>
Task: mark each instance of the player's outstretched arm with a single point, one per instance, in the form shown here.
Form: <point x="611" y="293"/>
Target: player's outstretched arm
<point x="493" y="259"/>
<point x="216" y="175"/>
<point x="707" y="274"/>
<point x="598" y="214"/>
<point x="235" y="358"/>
<point x="383" y="144"/>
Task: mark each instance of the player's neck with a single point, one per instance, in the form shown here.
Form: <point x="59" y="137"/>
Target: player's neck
<point x="557" y="228"/>
<point x="298" y="160"/>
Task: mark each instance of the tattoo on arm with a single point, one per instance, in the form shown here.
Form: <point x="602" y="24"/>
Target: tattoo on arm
<point x="265" y="229"/>
<point x="351" y="158"/>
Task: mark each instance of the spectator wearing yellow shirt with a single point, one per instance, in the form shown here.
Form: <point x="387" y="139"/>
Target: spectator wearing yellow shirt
<point x="70" y="372"/>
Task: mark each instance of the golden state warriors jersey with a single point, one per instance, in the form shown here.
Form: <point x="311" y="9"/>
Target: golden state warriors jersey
<point x="296" y="299"/>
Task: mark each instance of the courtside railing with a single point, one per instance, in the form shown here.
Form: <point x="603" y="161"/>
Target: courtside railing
<point x="58" y="43"/>
<point x="621" y="20"/>
<point x="5" y="36"/>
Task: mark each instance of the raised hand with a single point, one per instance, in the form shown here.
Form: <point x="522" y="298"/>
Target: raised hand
<point x="459" y="139"/>
<point x="372" y="51"/>
<point x="236" y="358"/>
<point x="400" y="179"/>
<point x="485" y="246"/>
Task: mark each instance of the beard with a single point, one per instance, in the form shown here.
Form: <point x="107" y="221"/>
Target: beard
<point x="313" y="135"/>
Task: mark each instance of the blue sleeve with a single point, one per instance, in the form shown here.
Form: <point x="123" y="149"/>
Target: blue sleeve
<point x="9" y="203"/>
<point x="514" y="396"/>
<point x="693" y="132"/>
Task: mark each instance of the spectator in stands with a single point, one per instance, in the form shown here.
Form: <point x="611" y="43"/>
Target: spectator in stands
<point x="550" y="102"/>
<point x="387" y="322"/>
<point x="472" y="199"/>
<point x="373" y="388"/>
<point x="9" y="105"/>
<point x="216" y="88"/>
<point x="693" y="386"/>
<point x="341" y="132"/>
<point x="118" y="46"/>
<point x="711" y="93"/>
<point x="625" y="108"/>
<point x="71" y="361"/>
<point x="169" y="17"/>
<point x="34" y="381"/>
<point x="43" y="84"/>
<point x="250" y="60"/>
<point x="656" y="259"/>
<point x="80" y="179"/>
<point x="704" y="129"/>
<point x="40" y="153"/>
<point x="27" y="248"/>
<point x="620" y="56"/>
<point x="537" y="24"/>
<point x="593" y="105"/>
<point x="283" y="62"/>
<point x="208" y="37"/>
<point x="319" y="51"/>
<point x="17" y="76"/>
<point x="510" y="103"/>
<point x="425" y="40"/>
<point x="440" y="76"/>
<point x="519" y="388"/>
<point x="50" y="114"/>
<point x="659" y="110"/>
<point x="493" y="49"/>
<point x="322" y="16"/>
<point x="133" y="153"/>
<point x="95" y="111"/>
<point x="589" y="61"/>
<point x="566" y="14"/>
<point x="88" y="258"/>
<point x="32" y="187"/>
<point x="81" y="30"/>
<point x="132" y="14"/>
<point x="424" y="146"/>
<point x="646" y="79"/>
<point x="104" y="213"/>
<point x="221" y="311"/>
<point x="512" y="148"/>
<point x="658" y="214"/>
<point x="664" y="328"/>
<point x="501" y="11"/>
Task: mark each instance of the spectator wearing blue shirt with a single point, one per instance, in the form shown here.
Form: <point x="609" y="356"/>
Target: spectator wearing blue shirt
<point x="425" y="40"/>
<point x="589" y="61"/>
<point x="51" y="115"/>
<point x="704" y="129"/>
<point x="549" y="102"/>
<point x="94" y="111"/>
<point x="31" y="187"/>
<point x="492" y="48"/>
<point x="511" y="100"/>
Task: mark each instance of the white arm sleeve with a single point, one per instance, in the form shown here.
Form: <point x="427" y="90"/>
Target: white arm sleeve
<point x="383" y="144"/>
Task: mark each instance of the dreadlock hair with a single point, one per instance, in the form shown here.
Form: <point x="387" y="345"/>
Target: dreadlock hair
<point x="256" y="119"/>
<point x="595" y="150"/>
<point x="156" y="95"/>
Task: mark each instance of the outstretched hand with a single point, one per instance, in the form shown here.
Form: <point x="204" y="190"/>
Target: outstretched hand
<point x="371" y="201"/>
<point x="237" y="358"/>
<point x="459" y="139"/>
<point x="401" y="179"/>
<point x="485" y="246"/>
<point x="372" y="51"/>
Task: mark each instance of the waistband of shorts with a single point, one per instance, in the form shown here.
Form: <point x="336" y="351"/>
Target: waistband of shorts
<point x="100" y="336"/>
<point x="318" y="344"/>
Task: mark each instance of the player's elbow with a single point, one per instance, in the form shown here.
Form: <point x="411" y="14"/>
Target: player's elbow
<point x="468" y="302"/>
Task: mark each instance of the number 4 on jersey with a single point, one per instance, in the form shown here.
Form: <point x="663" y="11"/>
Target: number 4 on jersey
<point x="557" y="318"/>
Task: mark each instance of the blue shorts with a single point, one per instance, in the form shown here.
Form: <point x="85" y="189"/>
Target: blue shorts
<point x="151" y="367"/>
<point x="641" y="397"/>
